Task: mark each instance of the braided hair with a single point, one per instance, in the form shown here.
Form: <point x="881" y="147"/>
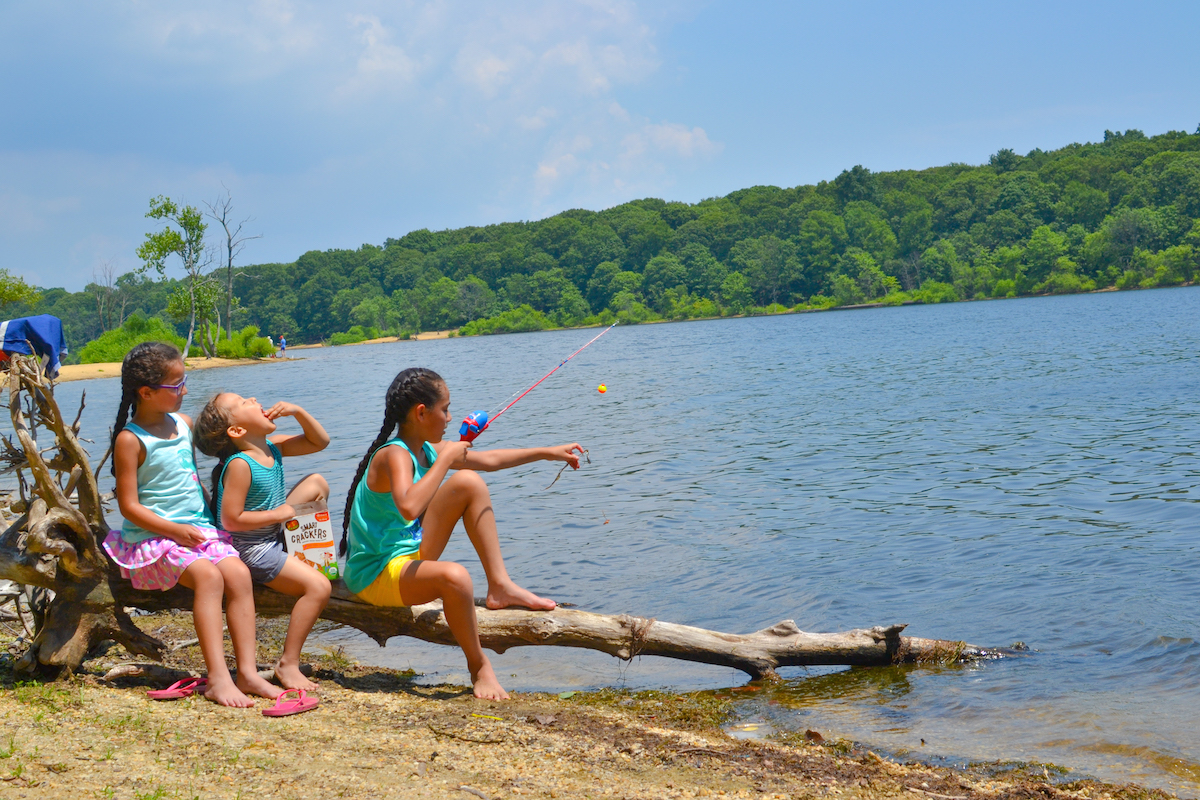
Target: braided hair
<point x="412" y="387"/>
<point x="210" y="435"/>
<point x="145" y="365"/>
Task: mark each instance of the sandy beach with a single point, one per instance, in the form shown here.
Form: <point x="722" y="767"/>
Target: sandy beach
<point x="419" y="337"/>
<point x="112" y="369"/>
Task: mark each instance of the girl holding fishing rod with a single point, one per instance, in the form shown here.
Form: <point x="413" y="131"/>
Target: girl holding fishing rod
<point x="402" y="508"/>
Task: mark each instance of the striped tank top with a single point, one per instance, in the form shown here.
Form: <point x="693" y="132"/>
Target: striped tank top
<point x="267" y="490"/>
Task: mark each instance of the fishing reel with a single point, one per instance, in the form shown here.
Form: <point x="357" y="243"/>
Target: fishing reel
<point x="474" y="424"/>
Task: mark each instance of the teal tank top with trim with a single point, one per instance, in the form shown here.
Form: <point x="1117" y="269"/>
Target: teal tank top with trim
<point x="378" y="533"/>
<point x="268" y="490"/>
<point x="167" y="483"/>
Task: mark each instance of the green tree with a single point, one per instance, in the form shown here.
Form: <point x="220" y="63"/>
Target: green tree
<point x="855" y="185"/>
<point x="591" y="246"/>
<point x="704" y="272"/>
<point x="869" y="231"/>
<point x="599" y="291"/>
<point x="1045" y="248"/>
<point x="439" y="308"/>
<point x="1081" y="205"/>
<point x="625" y="282"/>
<point x="870" y="282"/>
<point x="196" y="299"/>
<point x="939" y="262"/>
<point x="375" y="311"/>
<point x="770" y="265"/>
<point x="821" y="240"/>
<point x="475" y="299"/>
<point x="663" y="272"/>
<point x="185" y="239"/>
<point x="735" y="293"/>
<point x="14" y="289"/>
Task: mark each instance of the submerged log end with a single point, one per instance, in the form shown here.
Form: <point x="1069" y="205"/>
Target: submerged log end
<point x="915" y="650"/>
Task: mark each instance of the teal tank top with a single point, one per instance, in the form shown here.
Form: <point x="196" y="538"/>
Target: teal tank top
<point x="377" y="531"/>
<point x="167" y="482"/>
<point x="268" y="490"/>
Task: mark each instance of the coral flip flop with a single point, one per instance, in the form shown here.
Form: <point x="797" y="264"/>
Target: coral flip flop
<point x="179" y="689"/>
<point x="293" y="701"/>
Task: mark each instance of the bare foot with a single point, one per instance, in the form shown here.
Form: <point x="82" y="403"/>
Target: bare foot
<point x="225" y="693"/>
<point x="290" y="676"/>
<point x="485" y="684"/>
<point x="513" y="595"/>
<point x="253" y="683"/>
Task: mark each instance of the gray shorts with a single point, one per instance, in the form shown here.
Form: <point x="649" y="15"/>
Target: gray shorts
<point x="263" y="553"/>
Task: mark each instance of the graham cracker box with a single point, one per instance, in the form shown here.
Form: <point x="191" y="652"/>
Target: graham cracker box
<point x="309" y="537"/>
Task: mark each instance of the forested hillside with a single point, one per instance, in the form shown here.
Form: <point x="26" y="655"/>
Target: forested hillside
<point x="1122" y="212"/>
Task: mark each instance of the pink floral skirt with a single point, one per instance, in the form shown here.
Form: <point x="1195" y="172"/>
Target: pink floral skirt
<point x="157" y="563"/>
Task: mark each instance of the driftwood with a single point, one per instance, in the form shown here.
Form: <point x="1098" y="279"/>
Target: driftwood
<point x="54" y="544"/>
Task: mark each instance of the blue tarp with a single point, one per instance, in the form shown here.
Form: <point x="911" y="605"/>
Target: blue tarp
<point x="43" y="332"/>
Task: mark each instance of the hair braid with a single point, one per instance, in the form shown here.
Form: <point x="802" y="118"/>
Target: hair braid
<point x="412" y="387"/>
<point x="144" y="365"/>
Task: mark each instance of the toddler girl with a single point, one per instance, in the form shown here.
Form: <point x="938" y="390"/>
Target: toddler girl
<point x="168" y="536"/>
<point x="250" y="502"/>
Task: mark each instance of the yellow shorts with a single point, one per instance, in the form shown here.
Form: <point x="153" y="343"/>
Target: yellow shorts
<point x="385" y="589"/>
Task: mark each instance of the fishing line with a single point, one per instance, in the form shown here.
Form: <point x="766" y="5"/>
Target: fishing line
<point x="564" y="469"/>
<point x="477" y="422"/>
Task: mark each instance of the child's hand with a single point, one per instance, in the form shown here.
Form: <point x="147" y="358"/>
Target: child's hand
<point x="456" y="452"/>
<point x="286" y="512"/>
<point x="569" y="453"/>
<point x="188" y="536"/>
<point x="282" y="409"/>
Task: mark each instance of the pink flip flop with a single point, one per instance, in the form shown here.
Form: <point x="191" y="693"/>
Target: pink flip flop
<point x="179" y="689"/>
<point x="297" y="703"/>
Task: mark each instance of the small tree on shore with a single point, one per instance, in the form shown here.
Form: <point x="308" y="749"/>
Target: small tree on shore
<point x="14" y="289"/>
<point x="221" y="210"/>
<point x="186" y="240"/>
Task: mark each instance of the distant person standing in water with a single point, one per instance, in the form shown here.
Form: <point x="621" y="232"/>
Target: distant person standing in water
<point x="283" y="347"/>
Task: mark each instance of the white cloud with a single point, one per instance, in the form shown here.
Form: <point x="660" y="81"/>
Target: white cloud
<point x="680" y="140"/>
<point x="381" y="65"/>
<point x="314" y="112"/>
<point x="538" y="120"/>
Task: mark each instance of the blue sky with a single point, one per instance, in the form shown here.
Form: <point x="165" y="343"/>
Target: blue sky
<point x="335" y="124"/>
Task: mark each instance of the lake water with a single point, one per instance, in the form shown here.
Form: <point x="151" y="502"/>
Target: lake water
<point x="995" y="471"/>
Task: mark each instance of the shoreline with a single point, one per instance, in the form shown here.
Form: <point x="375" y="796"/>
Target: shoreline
<point x="76" y="372"/>
<point x="382" y="732"/>
<point x="112" y="369"/>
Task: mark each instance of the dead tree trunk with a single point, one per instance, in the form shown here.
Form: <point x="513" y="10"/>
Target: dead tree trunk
<point x="54" y="544"/>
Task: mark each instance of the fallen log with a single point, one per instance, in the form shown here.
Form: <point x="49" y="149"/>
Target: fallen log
<point x="55" y="544"/>
<point x="757" y="654"/>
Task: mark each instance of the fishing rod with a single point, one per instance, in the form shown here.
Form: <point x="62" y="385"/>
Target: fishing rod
<point x="476" y="422"/>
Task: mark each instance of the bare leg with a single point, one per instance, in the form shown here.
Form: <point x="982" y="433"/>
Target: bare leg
<point x="465" y="496"/>
<point x="309" y="488"/>
<point x="239" y="613"/>
<point x="208" y="586"/>
<point x="424" y="581"/>
<point x="304" y="582"/>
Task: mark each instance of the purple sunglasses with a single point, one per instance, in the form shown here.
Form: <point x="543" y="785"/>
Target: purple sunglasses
<point x="174" y="387"/>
